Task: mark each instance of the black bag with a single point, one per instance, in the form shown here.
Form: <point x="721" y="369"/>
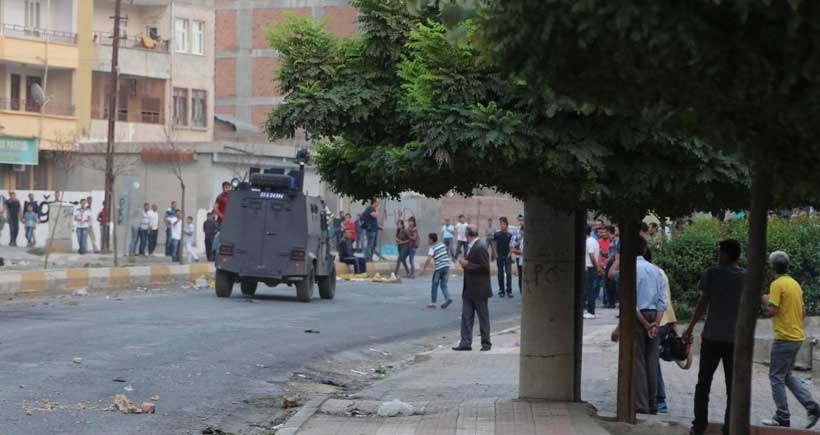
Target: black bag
<point x="673" y="348"/>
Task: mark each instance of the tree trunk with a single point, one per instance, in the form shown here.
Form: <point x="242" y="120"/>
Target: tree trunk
<point x="550" y="319"/>
<point x="627" y="295"/>
<point x="749" y="303"/>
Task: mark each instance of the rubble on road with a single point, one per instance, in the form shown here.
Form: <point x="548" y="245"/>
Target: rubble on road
<point x="291" y="402"/>
<point x="395" y="407"/>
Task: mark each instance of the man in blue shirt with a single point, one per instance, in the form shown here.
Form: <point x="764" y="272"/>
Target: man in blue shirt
<point x="651" y="303"/>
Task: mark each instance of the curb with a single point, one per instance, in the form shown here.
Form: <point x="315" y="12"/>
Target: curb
<point x="386" y="267"/>
<point x="64" y="282"/>
<point x="293" y="424"/>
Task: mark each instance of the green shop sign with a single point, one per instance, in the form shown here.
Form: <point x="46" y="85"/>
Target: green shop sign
<point x="18" y="150"/>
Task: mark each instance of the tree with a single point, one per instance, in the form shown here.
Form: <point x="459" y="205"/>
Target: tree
<point x="407" y="107"/>
<point x="702" y="69"/>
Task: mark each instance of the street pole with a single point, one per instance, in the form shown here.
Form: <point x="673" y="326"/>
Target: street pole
<point x="112" y="120"/>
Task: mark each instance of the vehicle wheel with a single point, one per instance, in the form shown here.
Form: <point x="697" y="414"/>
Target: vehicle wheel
<point x="327" y="284"/>
<point x="304" y="288"/>
<point x="224" y="284"/>
<point x="248" y="287"/>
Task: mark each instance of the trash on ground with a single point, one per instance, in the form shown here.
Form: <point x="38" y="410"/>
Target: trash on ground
<point x="122" y="404"/>
<point x="391" y="280"/>
<point x="291" y="402"/>
<point x="359" y="372"/>
<point x="383" y="352"/>
<point x="148" y="408"/>
<point x="118" y="380"/>
<point x="128" y="388"/>
<point x="77" y="360"/>
<point x="80" y="292"/>
<point x="155" y="398"/>
<point x="354" y="277"/>
<point x="382" y="370"/>
<point x="201" y="282"/>
<point x="395" y="407"/>
<point x="332" y="383"/>
<point x="311" y="331"/>
<point x="212" y="431"/>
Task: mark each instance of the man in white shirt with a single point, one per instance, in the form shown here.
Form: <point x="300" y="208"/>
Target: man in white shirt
<point x="82" y="220"/>
<point x="461" y="235"/>
<point x="591" y="272"/>
<point x="153" y="229"/>
<point x="145" y="226"/>
<point x="175" y="224"/>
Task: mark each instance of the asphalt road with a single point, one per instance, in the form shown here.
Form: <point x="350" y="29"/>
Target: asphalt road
<point x="202" y="355"/>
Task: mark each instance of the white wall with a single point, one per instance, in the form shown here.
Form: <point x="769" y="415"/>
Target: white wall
<point x="14" y="13"/>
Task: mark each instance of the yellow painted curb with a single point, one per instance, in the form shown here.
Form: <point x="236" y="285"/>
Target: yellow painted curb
<point x="160" y="275"/>
<point x="76" y="278"/>
<point x="119" y="277"/>
<point x="197" y="270"/>
<point x="32" y="282"/>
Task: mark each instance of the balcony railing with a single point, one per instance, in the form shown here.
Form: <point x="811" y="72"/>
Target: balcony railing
<point x="136" y="42"/>
<point x="21" y="31"/>
<point x="29" y="106"/>
<point x="141" y="116"/>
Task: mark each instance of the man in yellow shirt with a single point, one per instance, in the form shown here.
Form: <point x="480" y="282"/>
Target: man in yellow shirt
<point x="784" y="304"/>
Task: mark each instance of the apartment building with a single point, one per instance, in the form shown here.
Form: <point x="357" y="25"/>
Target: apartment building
<point x="42" y="81"/>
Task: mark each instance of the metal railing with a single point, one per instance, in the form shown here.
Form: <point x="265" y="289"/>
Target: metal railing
<point x="135" y="42"/>
<point x="21" y="31"/>
<point x="29" y="106"/>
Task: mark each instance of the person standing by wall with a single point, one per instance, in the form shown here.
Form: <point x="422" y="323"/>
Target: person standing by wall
<point x="489" y="234"/>
<point x="461" y="235"/>
<point x="501" y="248"/>
<point x="721" y="287"/>
<point x="188" y="240"/>
<point x="651" y="304"/>
<point x="370" y="224"/>
<point x="413" y="233"/>
<point x="440" y="257"/>
<point x="35" y="207"/>
<point x="153" y="229"/>
<point x="175" y="224"/>
<point x="403" y="244"/>
<point x="82" y="220"/>
<point x="13" y="214"/>
<point x="92" y="237"/>
<point x="170" y="212"/>
<point x="784" y="304"/>
<point x="143" y="229"/>
<point x="447" y="231"/>
<point x="209" y="228"/>
<point x="476" y="293"/>
<point x="30" y="219"/>
<point x="517" y="248"/>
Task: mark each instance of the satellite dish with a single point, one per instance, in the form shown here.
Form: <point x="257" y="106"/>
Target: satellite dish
<point x="38" y="94"/>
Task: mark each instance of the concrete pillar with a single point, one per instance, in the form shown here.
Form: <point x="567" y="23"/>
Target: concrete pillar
<point x="550" y="313"/>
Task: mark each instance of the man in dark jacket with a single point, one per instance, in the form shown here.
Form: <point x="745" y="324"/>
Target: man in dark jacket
<point x="476" y="292"/>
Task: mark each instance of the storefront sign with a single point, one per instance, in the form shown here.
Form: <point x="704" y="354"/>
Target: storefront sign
<point x="18" y="150"/>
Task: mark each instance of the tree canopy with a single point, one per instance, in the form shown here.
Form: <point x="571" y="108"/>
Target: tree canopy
<point x="403" y="107"/>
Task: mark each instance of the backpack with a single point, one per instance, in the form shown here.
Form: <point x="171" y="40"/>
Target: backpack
<point x="363" y="220"/>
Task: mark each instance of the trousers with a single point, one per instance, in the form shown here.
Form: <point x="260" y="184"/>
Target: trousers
<point x="469" y="309"/>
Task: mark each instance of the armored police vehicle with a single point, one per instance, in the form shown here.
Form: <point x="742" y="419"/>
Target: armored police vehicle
<point x="273" y="233"/>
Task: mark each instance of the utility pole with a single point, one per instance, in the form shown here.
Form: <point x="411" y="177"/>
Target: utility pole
<point x="112" y="121"/>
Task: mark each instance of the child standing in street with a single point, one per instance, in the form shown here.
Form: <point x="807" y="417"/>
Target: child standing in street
<point x="189" y="239"/>
<point x="439" y="255"/>
<point x="30" y="221"/>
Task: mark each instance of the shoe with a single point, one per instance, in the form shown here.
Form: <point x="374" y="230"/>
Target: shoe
<point x="662" y="408"/>
<point x="775" y="422"/>
<point x="509" y="295"/>
<point x="486" y="348"/>
<point x="589" y="316"/>
<point x="432" y="306"/>
<point x="813" y="416"/>
<point x="446" y="304"/>
<point x="461" y="348"/>
<point x="501" y="294"/>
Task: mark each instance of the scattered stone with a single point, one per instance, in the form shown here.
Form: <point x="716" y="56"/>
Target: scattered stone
<point x="395" y="407"/>
<point x="291" y="402"/>
<point x="148" y="408"/>
<point x="122" y="404"/>
<point x="155" y="398"/>
<point x="77" y="360"/>
<point x="128" y="388"/>
<point x="382" y="370"/>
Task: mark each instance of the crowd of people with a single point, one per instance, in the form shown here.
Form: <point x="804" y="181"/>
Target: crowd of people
<point x="721" y="287"/>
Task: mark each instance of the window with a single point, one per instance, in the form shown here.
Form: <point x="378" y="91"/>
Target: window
<point x="32" y="14"/>
<point x="181" y="35"/>
<point x="198" y="37"/>
<point x="180" y="106"/>
<point x="199" y="108"/>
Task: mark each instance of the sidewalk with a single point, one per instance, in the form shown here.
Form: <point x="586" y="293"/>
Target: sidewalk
<point x="466" y="393"/>
<point x="463" y="393"/>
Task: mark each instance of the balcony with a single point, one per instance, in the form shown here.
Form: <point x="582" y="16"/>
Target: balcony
<point x="31" y="107"/>
<point x="139" y="55"/>
<point x="23" y="32"/>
